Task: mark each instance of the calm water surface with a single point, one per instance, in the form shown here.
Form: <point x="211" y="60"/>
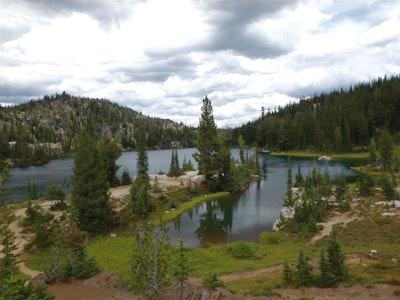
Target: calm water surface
<point x="239" y="217"/>
<point x="245" y="216"/>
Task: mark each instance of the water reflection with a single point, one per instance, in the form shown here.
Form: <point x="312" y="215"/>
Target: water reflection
<point x="245" y="216"/>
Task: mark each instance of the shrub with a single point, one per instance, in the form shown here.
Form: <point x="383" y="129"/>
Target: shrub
<point x="243" y="250"/>
<point x="211" y="281"/>
<point x="271" y="238"/>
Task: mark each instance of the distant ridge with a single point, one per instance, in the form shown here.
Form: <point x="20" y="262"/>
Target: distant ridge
<point x="39" y="130"/>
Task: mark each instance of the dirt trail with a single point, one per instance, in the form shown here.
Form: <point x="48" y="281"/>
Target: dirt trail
<point x="264" y="272"/>
<point x="343" y="218"/>
<point x="22" y="239"/>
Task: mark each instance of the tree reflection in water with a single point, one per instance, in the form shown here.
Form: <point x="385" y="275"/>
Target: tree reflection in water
<point x="216" y="222"/>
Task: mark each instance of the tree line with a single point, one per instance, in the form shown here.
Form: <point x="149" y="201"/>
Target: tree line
<point x="338" y="121"/>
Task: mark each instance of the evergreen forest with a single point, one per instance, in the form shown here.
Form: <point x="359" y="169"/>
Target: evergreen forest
<point x="338" y="121"/>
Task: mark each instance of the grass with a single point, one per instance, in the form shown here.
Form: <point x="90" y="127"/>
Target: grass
<point x="339" y="156"/>
<point x="193" y="202"/>
<point x="113" y="254"/>
<point x="219" y="259"/>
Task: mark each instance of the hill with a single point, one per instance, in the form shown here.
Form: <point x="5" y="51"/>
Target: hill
<point x="338" y="121"/>
<point x="40" y="130"/>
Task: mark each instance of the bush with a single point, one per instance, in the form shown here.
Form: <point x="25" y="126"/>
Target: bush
<point x="271" y="238"/>
<point x="243" y="250"/>
<point x="211" y="281"/>
<point x="53" y="192"/>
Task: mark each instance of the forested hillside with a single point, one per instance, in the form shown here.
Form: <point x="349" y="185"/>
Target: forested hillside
<point x="39" y="130"/>
<point x="339" y="121"/>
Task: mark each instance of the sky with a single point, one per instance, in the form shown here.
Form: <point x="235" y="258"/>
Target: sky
<point x="161" y="58"/>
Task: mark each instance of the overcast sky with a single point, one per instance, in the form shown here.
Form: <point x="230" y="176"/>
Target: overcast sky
<point x="162" y="57"/>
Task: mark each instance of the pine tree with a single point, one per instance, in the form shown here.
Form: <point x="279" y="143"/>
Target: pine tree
<point x="387" y="148"/>
<point x="299" y="177"/>
<point x="325" y="277"/>
<point x="149" y="267"/>
<point x="303" y="270"/>
<point x="336" y="258"/>
<point x="241" y="150"/>
<point x="207" y="145"/>
<point x="372" y="150"/>
<point x="365" y="184"/>
<point x="110" y="152"/>
<point x="174" y="168"/>
<point x="182" y="268"/>
<point x="287" y="274"/>
<point x="139" y="194"/>
<point x="89" y="194"/>
<point x="126" y="177"/>
<point x="289" y="197"/>
<point x="8" y="262"/>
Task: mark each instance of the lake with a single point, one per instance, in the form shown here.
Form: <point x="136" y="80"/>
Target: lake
<point x="238" y="217"/>
<point x="245" y="216"/>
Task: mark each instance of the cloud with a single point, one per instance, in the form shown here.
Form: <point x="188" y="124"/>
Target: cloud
<point x="236" y="26"/>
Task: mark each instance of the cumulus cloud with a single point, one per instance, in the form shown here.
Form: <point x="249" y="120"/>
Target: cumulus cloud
<point x="162" y="57"/>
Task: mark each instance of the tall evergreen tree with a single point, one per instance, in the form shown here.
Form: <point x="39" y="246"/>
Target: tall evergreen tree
<point x="387" y="148"/>
<point x="139" y="193"/>
<point x="336" y="258"/>
<point x="303" y="270"/>
<point x="289" y="197"/>
<point x="110" y="151"/>
<point x="89" y="194"/>
<point x="299" y="177"/>
<point x="372" y="150"/>
<point x="207" y="145"/>
<point x="174" y="168"/>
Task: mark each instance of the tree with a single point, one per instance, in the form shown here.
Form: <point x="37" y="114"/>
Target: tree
<point x="8" y="263"/>
<point x="289" y="197"/>
<point x="211" y="281"/>
<point x="365" y="184"/>
<point x="142" y="159"/>
<point x="325" y="277"/>
<point x="187" y="165"/>
<point x="287" y="274"/>
<point x="174" y="168"/>
<point x="182" y="268"/>
<point x="372" y="150"/>
<point x="139" y="194"/>
<point x="110" y="151"/>
<point x="299" y="177"/>
<point x="70" y="258"/>
<point x="303" y="270"/>
<point x="207" y="145"/>
<point x="241" y="150"/>
<point x="336" y="258"/>
<point x="126" y="177"/>
<point x="387" y="187"/>
<point x="338" y="139"/>
<point x="89" y="194"/>
<point x="149" y="267"/>
<point x="32" y="192"/>
<point x="387" y="148"/>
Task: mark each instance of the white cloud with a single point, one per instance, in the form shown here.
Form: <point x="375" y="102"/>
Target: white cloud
<point x="162" y="57"/>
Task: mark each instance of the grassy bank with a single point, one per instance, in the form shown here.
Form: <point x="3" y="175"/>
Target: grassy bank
<point x="339" y="156"/>
<point x="312" y="154"/>
<point x="182" y="208"/>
